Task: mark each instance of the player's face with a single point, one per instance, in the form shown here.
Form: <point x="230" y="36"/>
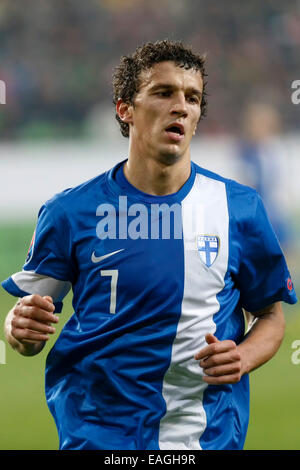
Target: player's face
<point x="166" y="111"/>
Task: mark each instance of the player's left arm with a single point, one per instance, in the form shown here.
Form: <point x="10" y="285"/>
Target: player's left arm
<point x="225" y="362"/>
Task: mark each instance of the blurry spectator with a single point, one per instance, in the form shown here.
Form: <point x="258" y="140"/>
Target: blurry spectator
<point x="57" y="57"/>
<point x="263" y="165"/>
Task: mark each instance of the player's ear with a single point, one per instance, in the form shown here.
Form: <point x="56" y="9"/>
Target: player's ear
<point x="124" y="111"/>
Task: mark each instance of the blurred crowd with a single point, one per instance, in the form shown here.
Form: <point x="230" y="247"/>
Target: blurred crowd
<point x="57" y="57"/>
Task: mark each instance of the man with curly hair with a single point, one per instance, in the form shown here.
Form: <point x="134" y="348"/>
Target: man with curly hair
<point x="163" y="258"/>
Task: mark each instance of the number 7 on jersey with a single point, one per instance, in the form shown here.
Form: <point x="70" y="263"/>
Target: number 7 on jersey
<point x="114" y="273"/>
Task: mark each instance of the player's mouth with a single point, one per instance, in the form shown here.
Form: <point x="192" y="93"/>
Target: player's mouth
<point x="175" y="131"/>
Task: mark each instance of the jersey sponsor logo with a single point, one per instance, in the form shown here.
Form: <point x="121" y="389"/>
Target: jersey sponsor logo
<point x="97" y="259"/>
<point x="30" y="249"/>
<point x="208" y="248"/>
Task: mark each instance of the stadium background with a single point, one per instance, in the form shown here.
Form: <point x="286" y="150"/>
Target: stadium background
<point x="57" y="129"/>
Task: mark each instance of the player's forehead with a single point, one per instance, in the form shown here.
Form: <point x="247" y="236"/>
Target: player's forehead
<point x="171" y="74"/>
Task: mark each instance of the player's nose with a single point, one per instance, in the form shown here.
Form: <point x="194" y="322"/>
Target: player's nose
<point x="179" y="105"/>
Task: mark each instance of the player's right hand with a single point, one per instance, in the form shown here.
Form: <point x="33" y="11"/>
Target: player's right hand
<point x="31" y="319"/>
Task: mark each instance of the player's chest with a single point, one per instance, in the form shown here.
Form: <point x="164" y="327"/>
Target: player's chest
<point x="151" y="245"/>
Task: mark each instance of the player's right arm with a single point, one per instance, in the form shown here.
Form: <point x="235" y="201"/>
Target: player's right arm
<point x="28" y="324"/>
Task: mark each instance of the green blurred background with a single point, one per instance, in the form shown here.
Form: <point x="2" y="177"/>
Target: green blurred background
<point x="58" y="129"/>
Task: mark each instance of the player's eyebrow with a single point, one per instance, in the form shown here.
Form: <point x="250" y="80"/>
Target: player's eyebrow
<point x="170" y="87"/>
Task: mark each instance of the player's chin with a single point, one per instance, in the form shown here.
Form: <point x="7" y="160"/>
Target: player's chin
<point x="171" y="154"/>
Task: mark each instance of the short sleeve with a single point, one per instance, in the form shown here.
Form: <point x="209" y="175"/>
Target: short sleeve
<point x="263" y="276"/>
<point x="48" y="268"/>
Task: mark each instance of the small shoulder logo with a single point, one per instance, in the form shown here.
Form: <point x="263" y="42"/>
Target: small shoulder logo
<point x="208" y="248"/>
<point x="30" y="249"/>
<point x="289" y="284"/>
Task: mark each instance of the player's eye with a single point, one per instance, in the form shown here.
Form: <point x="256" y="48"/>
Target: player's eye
<point x="164" y="94"/>
<point x="194" y="99"/>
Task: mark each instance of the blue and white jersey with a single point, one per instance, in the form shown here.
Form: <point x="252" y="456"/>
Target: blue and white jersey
<point x="151" y="276"/>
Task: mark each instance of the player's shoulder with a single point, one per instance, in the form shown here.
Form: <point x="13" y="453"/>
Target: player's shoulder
<point x="76" y="196"/>
<point x="242" y="199"/>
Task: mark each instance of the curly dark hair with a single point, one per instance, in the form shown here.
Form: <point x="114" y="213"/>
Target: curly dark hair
<point x="126" y="75"/>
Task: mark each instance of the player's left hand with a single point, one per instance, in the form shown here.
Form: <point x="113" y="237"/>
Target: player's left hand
<point x="220" y="361"/>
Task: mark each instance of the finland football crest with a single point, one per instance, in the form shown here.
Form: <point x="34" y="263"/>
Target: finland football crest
<point x="208" y="248"/>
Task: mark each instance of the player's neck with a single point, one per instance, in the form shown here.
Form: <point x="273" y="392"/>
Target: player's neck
<point x="154" y="177"/>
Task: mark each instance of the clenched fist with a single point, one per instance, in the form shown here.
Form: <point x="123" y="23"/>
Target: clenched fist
<point x="29" y="323"/>
<point x="220" y="360"/>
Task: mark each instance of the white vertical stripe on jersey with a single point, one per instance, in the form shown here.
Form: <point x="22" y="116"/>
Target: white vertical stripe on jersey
<point x="183" y="387"/>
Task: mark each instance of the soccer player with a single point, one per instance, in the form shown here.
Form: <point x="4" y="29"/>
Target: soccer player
<point x="163" y="258"/>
